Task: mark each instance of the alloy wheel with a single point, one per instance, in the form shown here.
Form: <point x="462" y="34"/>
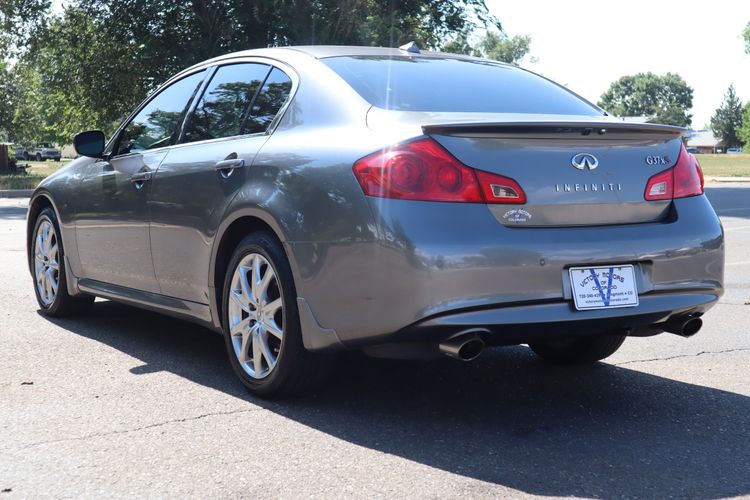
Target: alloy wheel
<point x="256" y="315"/>
<point x="46" y="262"/>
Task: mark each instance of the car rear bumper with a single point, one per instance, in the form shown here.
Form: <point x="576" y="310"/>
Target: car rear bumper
<point x="438" y="268"/>
<point x="528" y="322"/>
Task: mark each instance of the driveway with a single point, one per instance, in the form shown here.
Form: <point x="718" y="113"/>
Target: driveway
<point x="127" y="403"/>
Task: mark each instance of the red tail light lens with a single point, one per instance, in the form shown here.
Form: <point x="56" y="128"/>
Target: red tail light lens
<point x="681" y="181"/>
<point x="423" y="170"/>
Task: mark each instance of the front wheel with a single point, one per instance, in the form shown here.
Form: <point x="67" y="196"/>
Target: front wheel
<point x="38" y="157"/>
<point x="578" y="350"/>
<point x="49" y="270"/>
<point x="261" y="322"/>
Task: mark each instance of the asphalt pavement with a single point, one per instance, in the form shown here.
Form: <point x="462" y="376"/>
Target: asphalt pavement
<point x="128" y="403"/>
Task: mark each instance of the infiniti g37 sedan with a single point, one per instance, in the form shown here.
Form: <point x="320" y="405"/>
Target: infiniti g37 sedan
<point x="305" y="200"/>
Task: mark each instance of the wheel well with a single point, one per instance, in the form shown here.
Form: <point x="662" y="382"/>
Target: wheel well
<point x="229" y="241"/>
<point x="40" y="203"/>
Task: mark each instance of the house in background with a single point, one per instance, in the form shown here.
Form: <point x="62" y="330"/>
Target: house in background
<point x="634" y="119"/>
<point x="704" y="141"/>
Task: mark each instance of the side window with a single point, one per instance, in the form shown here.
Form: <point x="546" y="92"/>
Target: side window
<point x="271" y="97"/>
<point x="156" y="124"/>
<point x="226" y="100"/>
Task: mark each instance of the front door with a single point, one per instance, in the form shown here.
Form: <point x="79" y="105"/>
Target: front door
<point x="113" y="220"/>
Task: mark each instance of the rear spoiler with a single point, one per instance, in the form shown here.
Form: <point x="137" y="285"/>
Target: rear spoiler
<point x="547" y="129"/>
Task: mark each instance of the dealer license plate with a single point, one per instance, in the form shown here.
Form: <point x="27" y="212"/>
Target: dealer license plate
<point x="603" y="287"/>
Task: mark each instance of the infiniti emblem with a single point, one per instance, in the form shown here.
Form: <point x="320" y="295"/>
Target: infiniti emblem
<point x="582" y="161"/>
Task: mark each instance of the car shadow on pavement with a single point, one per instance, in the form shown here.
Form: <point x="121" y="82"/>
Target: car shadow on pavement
<point x="508" y="419"/>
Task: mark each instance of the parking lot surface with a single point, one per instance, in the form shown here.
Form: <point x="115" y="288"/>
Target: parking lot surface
<point x="127" y="403"/>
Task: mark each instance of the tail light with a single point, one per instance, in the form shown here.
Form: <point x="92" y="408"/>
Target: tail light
<point x="681" y="181"/>
<point x="423" y="170"/>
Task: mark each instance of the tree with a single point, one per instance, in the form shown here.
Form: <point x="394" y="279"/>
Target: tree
<point x="18" y="20"/>
<point x="746" y="36"/>
<point x="664" y="98"/>
<point x="497" y="46"/>
<point x="727" y="120"/>
<point x="7" y="101"/>
<point x="98" y="59"/>
<point x="744" y="132"/>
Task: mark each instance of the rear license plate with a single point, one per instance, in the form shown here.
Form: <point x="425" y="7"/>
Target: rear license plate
<point x="603" y="287"/>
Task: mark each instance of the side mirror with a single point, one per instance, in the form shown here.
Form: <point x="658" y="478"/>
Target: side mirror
<point x="89" y="143"/>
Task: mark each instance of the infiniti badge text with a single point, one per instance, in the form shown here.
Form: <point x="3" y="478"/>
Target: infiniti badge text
<point x="609" y="186"/>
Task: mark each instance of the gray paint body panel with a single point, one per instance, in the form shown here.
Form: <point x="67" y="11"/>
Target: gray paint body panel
<point x="365" y="268"/>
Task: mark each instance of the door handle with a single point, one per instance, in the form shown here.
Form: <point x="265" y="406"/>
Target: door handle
<point x="140" y="179"/>
<point x="226" y="167"/>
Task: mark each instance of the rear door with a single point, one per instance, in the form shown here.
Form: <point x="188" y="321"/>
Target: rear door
<point x="197" y="181"/>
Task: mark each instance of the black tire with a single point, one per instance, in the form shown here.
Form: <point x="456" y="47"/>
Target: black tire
<point x="297" y="370"/>
<point x="39" y="157"/>
<point x="580" y="350"/>
<point x="63" y="303"/>
<point x="57" y="159"/>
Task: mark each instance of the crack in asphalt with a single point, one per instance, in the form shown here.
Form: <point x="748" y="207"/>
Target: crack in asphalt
<point x="137" y="429"/>
<point x="739" y="349"/>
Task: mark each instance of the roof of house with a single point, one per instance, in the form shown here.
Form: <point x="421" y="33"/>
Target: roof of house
<point x="702" y="138"/>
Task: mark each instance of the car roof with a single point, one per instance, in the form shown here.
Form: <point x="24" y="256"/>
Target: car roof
<point x="324" y="51"/>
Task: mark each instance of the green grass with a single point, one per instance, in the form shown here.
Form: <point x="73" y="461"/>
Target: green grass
<point x="725" y="165"/>
<point x="713" y="166"/>
<point x="37" y="171"/>
<point x="29" y="181"/>
<point x="45" y="168"/>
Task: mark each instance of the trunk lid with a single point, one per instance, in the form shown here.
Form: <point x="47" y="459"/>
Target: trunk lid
<point x="613" y="162"/>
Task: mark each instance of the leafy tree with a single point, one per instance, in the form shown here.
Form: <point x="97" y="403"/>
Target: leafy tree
<point x="746" y="36"/>
<point x="497" y="46"/>
<point x="503" y="48"/>
<point x="664" y="98"/>
<point x="18" y="20"/>
<point x="727" y="120"/>
<point x="97" y="59"/>
<point x="7" y="101"/>
<point x="744" y="133"/>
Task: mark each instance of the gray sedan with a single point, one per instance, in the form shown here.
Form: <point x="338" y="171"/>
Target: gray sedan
<point x="305" y="200"/>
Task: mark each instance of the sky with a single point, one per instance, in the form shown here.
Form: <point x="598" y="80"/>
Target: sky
<point x="586" y="45"/>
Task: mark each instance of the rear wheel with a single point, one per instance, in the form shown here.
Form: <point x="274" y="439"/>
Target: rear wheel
<point x="38" y="157"/>
<point x="578" y="350"/>
<point x="49" y="270"/>
<point x="261" y="322"/>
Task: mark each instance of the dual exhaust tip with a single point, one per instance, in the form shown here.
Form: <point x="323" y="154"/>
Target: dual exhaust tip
<point x="684" y="326"/>
<point x="465" y="346"/>
<point x="469" y="345"/>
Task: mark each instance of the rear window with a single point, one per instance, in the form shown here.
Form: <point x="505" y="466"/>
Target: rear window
<point x="454" y="85"/>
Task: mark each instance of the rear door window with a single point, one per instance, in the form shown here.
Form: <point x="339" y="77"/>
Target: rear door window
<point x="226" y="100"/>
<point x="270" y="99"/>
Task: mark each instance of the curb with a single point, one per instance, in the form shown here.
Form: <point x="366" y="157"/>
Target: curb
<point x="727" y="179"/>
<point x="16" y="193"/>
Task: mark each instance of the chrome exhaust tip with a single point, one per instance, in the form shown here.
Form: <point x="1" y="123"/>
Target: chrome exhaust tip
<point x="684" y="326"/>
<point x="464" y="347"/>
